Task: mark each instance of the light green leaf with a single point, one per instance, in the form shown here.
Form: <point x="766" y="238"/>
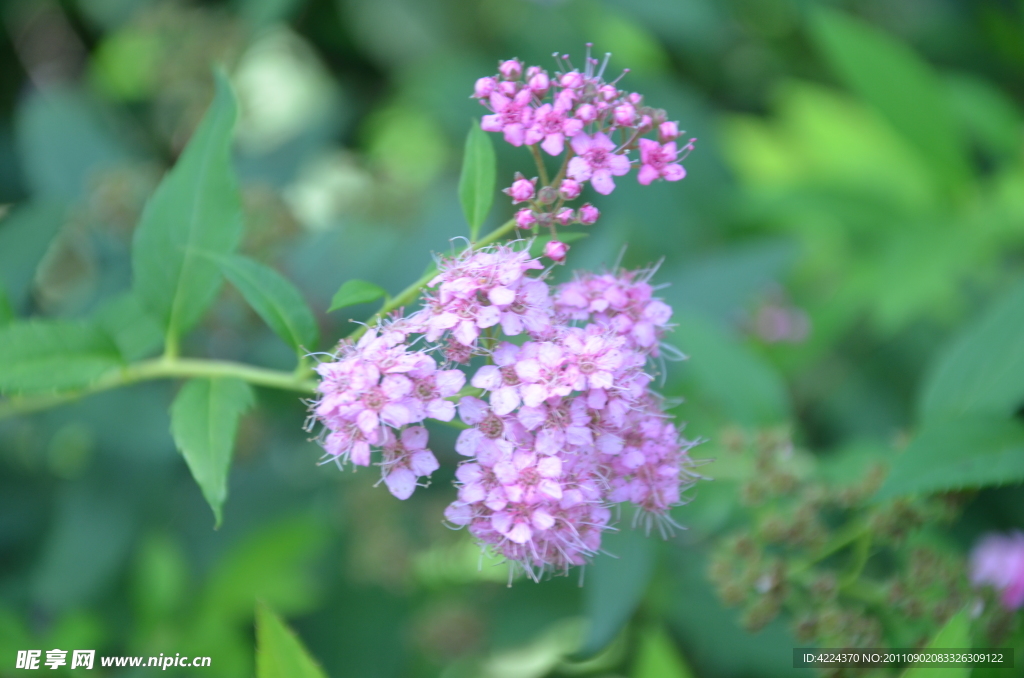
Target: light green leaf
<point x="733" y="379"/>
<point x="658" y="657"/>
<point x="616" y="582"/>
<point x="275" y="299"/>
<point x="6" y="310"/>
<point x="950" y="454"/>
<point x="955" y="635"/>
<point x="983" y="369"/>
<point x="49" y="355"/>
<point x="356" y="292"/>
<point x="204" y="421"/>
<point x="279" y="653"/>
<point x="898" y="82"/>
<point x="196" y="209"/>
<point x="134" y="331"/>
<point x="25" y="235"/>
<point x="478" y="179"/>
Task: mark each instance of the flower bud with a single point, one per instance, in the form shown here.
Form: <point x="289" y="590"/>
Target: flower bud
<point x="511" y="69"/>
<point x="539" y="83"/>
<point x="571" y="80"/>
<point x="525" y="218"/>
<point x="547" y="195"/>
<point x="587" y="113"/>
<point x="588" y="214"/>
<point x="635" y="98"/>
<point x="521" y="190"/>
<point x="668" y="131"/>
<point x="565" y="216"/>
<point x="508" y="88"/>
<point x="608" y="92"/>
<point x="645" y="122"/>
<point x="484" y="87"/>
<point x="624" y="115"/>
<point x="533" y="70"/>
<point x="556" y="250"/>
<point x="570" y="189"/>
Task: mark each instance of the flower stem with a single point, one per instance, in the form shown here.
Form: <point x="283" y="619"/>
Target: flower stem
<point x="542" y="171"/>
<point x="162" y="368"/>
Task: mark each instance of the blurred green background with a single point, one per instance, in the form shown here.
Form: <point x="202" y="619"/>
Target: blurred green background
<point x="852" y="205"/>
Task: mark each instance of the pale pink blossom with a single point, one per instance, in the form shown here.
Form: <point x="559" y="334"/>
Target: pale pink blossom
<point x="659" y="161"/>
<point x="596" y="161"/>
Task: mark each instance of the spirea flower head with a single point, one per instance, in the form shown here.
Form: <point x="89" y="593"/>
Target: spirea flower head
<point x="998" y="561"/>
<point x="551" y="384"/>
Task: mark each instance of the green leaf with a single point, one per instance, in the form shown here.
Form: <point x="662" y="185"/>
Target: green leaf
<point x="950" y="454"/>
<point x="204" y="421"/>
<point x="356" y="292"/>
<point x="6" y="310"/>
<point x="658" y="657"/>
<point x="134" y="331"/>
<point x="25" y="236"/>
<point x="279" y="653"/>
<point x="616" y="582"/>
<point x="900" y="84"/>
<point x="956" y="634"/>
<point x="478" y="179"/>
<point x="196" y="209"/>
<point x="983" y="369"/>
<point x="275" y="299"/>
<point x="733" y="379"/>
<point x="48" y="355"/>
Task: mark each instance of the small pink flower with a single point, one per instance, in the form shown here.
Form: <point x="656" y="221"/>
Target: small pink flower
<point x="597" y="161"/>
<point x="539" y="83"/>
<point x="556" y="250"/>
<point x="521" y="190"/>
<point x="525" y="218"/>
<point x="624" y="115"/>
<point x="552" y="125"/>
<point x="511" y="116"/>
<point x="668" y="131"/>
<point x="484" y="87"/>
<point x="501" y="379"/>
<point x="570" y="189"/>
<point x="658" y="160"/>
<point x="998" y="561"/>
<point x="571" y="80"/>
<point x="406" y="459"/>
<point x="587" y="113"/>
<point x="511" y="69"/>
<point x="588" y="214"/>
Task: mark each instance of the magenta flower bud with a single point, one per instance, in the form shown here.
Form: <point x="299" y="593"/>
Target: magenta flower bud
<point x="588" y="214"/>
<point x="556" y="250"/>
<point x="667" y="131"/>
<point x="539" y="83"/>
<point x="521" y="190"/>
<point x="645" y="122"/>
<point x="511" y="69"/>
<point x="624" y="115"/>
<point x="587" y="113"/>
<point x="570" y="189"/>
<point x="532" y="71"/>
<point x="608" y="92"/>
<point x="565" y="216"/>
<point x="484" y="87"/>
<point x="571" y="80"/>
<point x="635" y="98"/>
<point x="525" y="218"/>
<point x="508" y="88"/>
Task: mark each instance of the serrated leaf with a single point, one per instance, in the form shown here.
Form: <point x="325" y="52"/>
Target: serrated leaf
<point x="50" y="355"/>
<point x="356" y="292"/>
<point x="279" y="653"/>
<point x="478" y="179"/>
<point x="275" y="299"/>
<point x="25" y="236"/>
<point x="615" y="585"/>
<point x="204" y="421"/>
<point x="196" y="209"/>
<point x="955" y="634"/>
<point x="134" y="331"/>
<point x="951" y="454"/>
<point x="900" y="84"/>
<point x="538" y="244"/>
<point x="983" y="369"/>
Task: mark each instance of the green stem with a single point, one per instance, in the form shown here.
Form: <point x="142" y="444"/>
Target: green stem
<point x="541" y="169"/>
<point x="163" y="368"/>
<point x="409" y="294"/>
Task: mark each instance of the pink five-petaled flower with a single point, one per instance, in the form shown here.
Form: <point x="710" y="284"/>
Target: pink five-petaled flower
<point x="657" y="160"/>
<point x="492" y="437"/>
<point x="406" y="459"/>
<point x="501" y="379"/>
<point x="597" y="161"/>
<point x="542" y="366"/>
<point x="431" y="387"/>
<point x="596" y="355"/>
<point x="998" y="561"/>
<point x="511" y="116"/>
<point x="552" y="125"/>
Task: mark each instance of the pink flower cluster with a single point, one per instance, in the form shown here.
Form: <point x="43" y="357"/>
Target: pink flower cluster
<point x="998" y="561"/>
<point x="561" y="422"/>
<point x="596" y="123"/>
